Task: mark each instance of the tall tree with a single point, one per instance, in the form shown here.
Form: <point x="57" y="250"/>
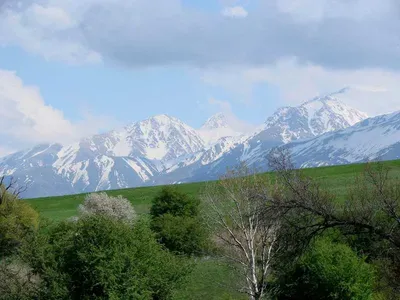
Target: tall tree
<point x="245" y="230"/>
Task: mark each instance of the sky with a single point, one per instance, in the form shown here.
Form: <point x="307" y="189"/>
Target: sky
<point x="69" y="69"/>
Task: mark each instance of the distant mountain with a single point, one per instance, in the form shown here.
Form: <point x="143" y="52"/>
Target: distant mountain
<point x="163" y="150"/>
<point x="376" y="138"/>
<point x="217" y="127"/>
<point x="121" y="158"/>
<point x="288" y="124"/>
<point x="312" y="118"/>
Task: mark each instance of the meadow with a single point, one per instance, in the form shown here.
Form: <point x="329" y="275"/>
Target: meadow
<point x="337" y="179"/>
<point x="210" y="278"/>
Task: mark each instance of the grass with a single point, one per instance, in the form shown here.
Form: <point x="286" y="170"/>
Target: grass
<point x="210" y="278"/>
<point x="337" y="179"/>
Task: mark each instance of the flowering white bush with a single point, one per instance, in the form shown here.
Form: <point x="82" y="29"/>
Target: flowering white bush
<point x="101" y="204"/>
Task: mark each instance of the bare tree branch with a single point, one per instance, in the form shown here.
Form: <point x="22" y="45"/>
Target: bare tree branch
<point x="245" y="229"/>
<point x="10" y="189"/>
<point x="372" y="207"/>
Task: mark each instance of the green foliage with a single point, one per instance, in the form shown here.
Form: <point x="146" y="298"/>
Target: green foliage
<point x="172" y="201"/>
<point x="101" y="258"/>
<point x="179" y="234"/>
<point x="174" y="218"/>
<point x="205" y="284"/>
<point x="17" y="282"/>
<point x="17" y="220"/>
<point x="327" y="270"/>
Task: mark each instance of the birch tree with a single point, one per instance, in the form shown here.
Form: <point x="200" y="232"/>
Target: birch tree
<point x="245" y="231"/>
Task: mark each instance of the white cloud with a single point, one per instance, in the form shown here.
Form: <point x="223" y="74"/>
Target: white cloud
<point x="26" y="119"/>
<point x="46" y="30"/>
<point x="137" y="33"/>
<point x="375" y="91"/>
<point x="311" y="10"/>
<point x="235" y="12"/>
<point x="223" y="106"/>
<point x="234" y="122"/>
<point x="50" y="17"/>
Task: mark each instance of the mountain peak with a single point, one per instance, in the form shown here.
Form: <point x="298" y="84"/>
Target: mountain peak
<point x="333" y="96"/>
<point x="218" y="120"/>
<point x="162" y="118"/>
<point x="219" y="126"/>
<point x="315" y="117"/>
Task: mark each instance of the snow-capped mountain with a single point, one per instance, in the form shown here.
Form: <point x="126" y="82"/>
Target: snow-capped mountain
<point x="376" y="138"/>
<point x="163" y="150"/>
<point x="193" y="164"/>
<point x="121" y="158"/>
<point x="217" y="127"/>
<point x="312" y="118"/>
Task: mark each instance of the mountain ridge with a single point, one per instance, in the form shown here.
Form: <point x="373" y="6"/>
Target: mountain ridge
<point x="163" y="149"/>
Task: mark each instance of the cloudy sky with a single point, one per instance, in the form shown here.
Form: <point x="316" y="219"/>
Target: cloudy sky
<point x="73" y="68"/>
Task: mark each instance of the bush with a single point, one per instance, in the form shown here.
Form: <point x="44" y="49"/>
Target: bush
<point x="100" y="257"/>
<point x="173" y="202"/>
<point x="328" y="271"/>
<point x="182" y="235"/>
<point x="118" y="208"/>
<point x="17" y="280"/>
<point x="17" y="220"/>
<point x="175" y="220"/>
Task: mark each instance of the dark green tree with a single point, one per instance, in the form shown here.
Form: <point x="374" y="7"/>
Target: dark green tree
<point x="176" y="222"/>
<point x="17" y="218"/>
<point x="328" y="270"/>
<point x="102" y="258"/>
<point x="171" y="201"/>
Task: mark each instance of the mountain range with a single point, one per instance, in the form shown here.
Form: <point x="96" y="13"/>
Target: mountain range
<point x="164" y="150"/>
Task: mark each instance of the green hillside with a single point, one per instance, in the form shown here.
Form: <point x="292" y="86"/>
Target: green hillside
<point x="337" y="179"/>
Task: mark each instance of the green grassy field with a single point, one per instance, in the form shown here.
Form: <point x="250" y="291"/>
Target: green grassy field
<point x="337" y="179"/>
<point x="210" y="278"/>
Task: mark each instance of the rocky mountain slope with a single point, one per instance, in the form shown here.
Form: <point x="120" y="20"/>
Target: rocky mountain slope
<point x="121" y="158"/>
<point x="376" y="138"/>
<point x="162" y="150"/>
<point x="288" y="124"/>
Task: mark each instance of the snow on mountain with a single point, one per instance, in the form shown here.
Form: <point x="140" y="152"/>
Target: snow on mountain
<point x="163" y="138"/>
<point x="121" y="158"/>
<point x="36" y="157"/>
<point x="310" y="119"/>
<point x="376" y="138"/>
<point x="162" y="149"/>
<point x="192" y="164"/>
<point x="217" y="127"/>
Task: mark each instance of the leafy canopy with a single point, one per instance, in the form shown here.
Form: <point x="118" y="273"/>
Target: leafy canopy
<point x="103" y="258"/>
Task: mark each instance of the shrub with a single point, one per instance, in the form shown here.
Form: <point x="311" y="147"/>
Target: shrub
<point x="182" y="235"/>
<point x="173" y="202"/>
<point x="175" y="220"/>
<point x="118" y="208"/>
<point x="103" y="258"/>
<point x="328" y="271"/>
<point x="17" y="220"/>
<point x="17" y="280"/>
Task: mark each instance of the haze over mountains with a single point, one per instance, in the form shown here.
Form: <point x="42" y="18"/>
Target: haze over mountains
<point x="162" y="149"/>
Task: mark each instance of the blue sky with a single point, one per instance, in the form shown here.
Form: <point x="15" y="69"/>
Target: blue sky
<point x="75" y="68"/>
<point x="130" y="94"/>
